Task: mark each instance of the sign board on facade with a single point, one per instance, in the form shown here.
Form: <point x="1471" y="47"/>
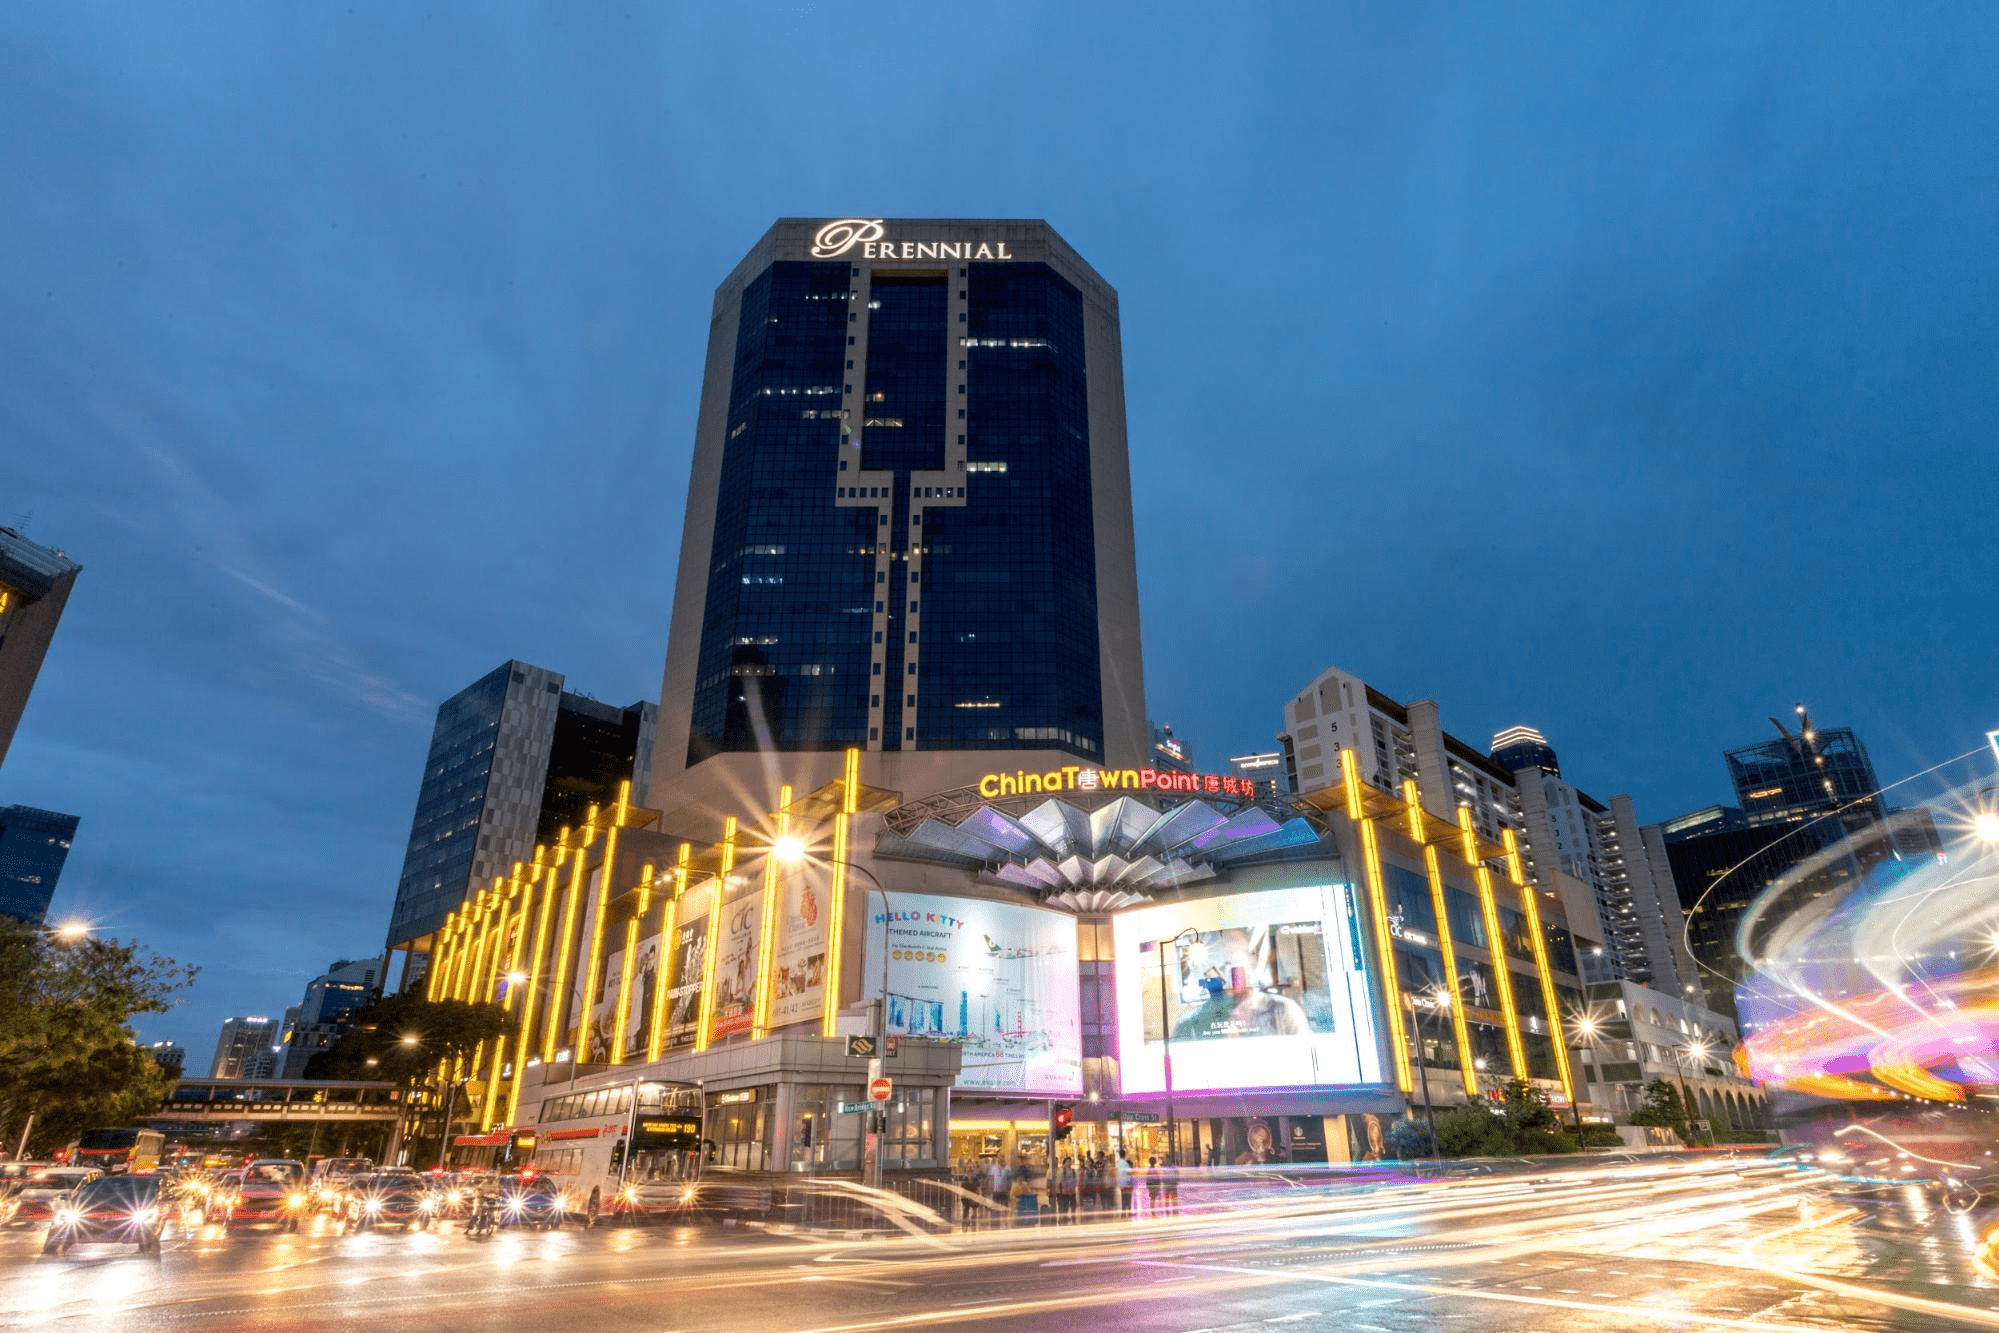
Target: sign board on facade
<point x="880" y="1089"/>
<point x="843" y="235"/>
<point x="1074" y="777"/>
<point x="861" y="1047"/>
<point x="733" y="1098"/>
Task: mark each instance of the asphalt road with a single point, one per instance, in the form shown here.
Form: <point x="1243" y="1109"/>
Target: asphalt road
<point x="1674" y="1243"/>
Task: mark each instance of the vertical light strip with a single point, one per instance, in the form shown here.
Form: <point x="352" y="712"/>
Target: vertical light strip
<point x="1550" y="1001"/>
<point x="1440" y="904"/>
<point x="440" y="955"/>
<point x="551" y="874"/>
<point x="555" y="1026"/>
<point x="767" y="931"/>
<point x="1502" y="974"/>
<point x="1377" y="894"/>
<point x="525" y="889"/>
<point x="669" y="921"/>
<point x="718" y="890"/>
<point x="593" y="981"/>
<point x="623" y="1013"/>
<point x="836" y="897"/>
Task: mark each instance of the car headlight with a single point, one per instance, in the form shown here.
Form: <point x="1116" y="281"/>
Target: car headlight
<point x="295" y="1200"/>
<point x="515" y="1205"/>
<point x="687" y="1195"/>
<point x="67" y="1216"/>
<point x="429" y="1205"/>
<point x="373" y="1205"/>
<point x="628" y="1194"/>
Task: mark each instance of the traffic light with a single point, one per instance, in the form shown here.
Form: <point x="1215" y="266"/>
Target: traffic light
<point x="1065" y="1115"/>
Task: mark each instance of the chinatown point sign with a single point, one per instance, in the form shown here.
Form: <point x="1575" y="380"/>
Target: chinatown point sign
<point x="841" y="235"/>
<point x="1073" y="777"/>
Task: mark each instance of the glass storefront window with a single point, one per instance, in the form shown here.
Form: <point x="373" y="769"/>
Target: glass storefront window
<point x="740" y="1134"/>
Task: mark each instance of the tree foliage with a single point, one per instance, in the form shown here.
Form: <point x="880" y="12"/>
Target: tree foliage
<point x="444" y="1031"/>
<point x="1663" y="1106"/>
<point x="1520" y="1122"/>
<point x="67" y="1054"/>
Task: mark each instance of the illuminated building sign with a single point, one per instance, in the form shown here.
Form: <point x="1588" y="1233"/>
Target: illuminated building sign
<point x="736" y="1097"/>
<point x="1073" y="777"/>
<point x="841" y="235"/>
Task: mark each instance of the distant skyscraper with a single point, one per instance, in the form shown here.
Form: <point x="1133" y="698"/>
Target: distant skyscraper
<point x="34" y="586"/>
<point x="168" y="1055"/>
<point x="1804" y="774"/>
<point x="1265" y="768"/>
<point x="327" y="1010"/>
<point x="513" y="759"/>
<point x="1524" y="747"/>
<point x="1169" y="751"/>
<point x="244" y="1048"/>
<point x="33" y="846"/>
<point x="909" y="523"/>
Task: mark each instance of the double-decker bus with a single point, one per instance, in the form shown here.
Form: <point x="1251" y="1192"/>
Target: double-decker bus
<point x="118" y="1150"/>
<point x="632" y="1149"/>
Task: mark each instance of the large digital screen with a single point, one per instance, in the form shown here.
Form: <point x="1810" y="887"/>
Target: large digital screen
<point x="1258" y="990"/>
<point x="996" y="977"/>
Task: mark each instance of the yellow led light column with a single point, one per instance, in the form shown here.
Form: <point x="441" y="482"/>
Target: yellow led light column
<point x="549" y="875"/>
<point x="767" y="932"/>
<point x="836" y="897"/>
<point x="1502" y="975"/>
<point x="1551" y="1003"/>
<point x="718" y="889"/>
<point x="669" y="914"/>
<point x="440" y="957"/>
<point x="555" y="1026"/>
<point x="1377" y="898"/>
<point x="513" y="964"/>
<point x="592" y="978"/>
<point x="623" y="1013"/>
<point x="1440" y="904"/>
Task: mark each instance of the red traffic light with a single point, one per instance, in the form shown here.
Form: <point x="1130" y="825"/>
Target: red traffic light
<point x="1063" y="1115"/>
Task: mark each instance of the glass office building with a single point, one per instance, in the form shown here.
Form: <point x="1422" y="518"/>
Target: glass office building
<point x="34" y="844"/>
<point x="909" y="526"/>
<point x="513" y="759"/>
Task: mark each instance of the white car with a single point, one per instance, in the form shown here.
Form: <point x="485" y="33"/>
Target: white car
<point x="36" y="1200"/>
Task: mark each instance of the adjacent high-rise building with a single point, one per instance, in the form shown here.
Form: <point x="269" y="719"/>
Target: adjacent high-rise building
<point x="909" y="523"/>
<point x="245" y="1049"/>
<point x="514" y="758"/>
<point x="170" y="1056"/>
<point x="1169" y="751"/>
<point x="34" y="844"/>
<point x="1602" y="847"/>
<point x="34" y="587"/>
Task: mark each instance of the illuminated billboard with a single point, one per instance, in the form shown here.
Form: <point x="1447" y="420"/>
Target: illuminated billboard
<point x="996" y="977"/>
<point x="1258" y="990"/>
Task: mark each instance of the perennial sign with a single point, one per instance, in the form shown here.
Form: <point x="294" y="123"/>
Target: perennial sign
<point x="841" y="235"/>
<point x="1074" y="777"/>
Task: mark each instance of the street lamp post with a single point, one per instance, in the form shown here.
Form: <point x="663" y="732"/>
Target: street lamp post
<point x="1166" y="1034"/>
<point x="792" y="851"/>
<point x="1439" y="999"/>
<point x="1699" y="1051"/>
<point x="1585" y="1027"/>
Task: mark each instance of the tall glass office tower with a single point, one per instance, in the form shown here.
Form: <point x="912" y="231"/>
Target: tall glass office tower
<point x="909" y="522"/>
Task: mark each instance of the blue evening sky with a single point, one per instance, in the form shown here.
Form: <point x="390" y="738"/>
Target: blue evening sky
<point x="1628" y="371"/>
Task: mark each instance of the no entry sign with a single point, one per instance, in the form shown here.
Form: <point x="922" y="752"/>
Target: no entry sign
<point x="879" y="1089"/>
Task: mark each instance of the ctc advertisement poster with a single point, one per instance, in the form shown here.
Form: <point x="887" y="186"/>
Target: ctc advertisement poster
<point x="996" y="977"/>
<point x="736" y="966"/>
<point x="1258" y="990"/>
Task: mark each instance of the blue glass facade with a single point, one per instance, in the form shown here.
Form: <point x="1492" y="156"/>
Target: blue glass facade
<point x="980" y="628"/>
<point x="791" y="588"/>
<point x="34" y="844"/>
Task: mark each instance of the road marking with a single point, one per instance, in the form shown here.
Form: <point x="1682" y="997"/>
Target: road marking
<point x="1288" y="1318"/>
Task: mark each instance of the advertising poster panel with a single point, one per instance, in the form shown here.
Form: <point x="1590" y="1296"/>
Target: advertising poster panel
<point x="799" y="986"/>
<point x="997" y="977"/>
<point x="645" y="985"/>
<point x="1258" y="990"/>
<point x="683" y="991"/>
<point x="596" y="1036"/>
<point x="736" y="967"/>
